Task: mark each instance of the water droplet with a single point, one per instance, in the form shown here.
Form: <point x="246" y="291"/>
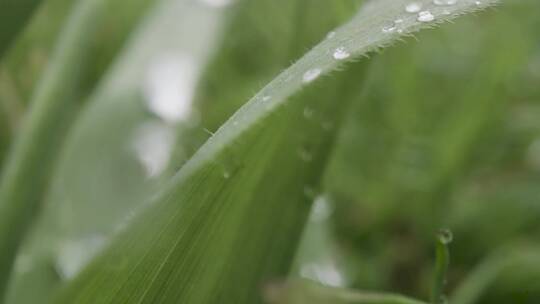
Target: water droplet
<point x="444" y="2"/>
<point x="331" y="35"/>
<point x="226" y="174"/>
<point x="477" y="2"/>
<point x="413" y="7"/>
<point x="425" y="16"/>
<point x="389" y="28"/>
<point x="398" y="21"/>
<point x="445" y="236"/>
<point x="266" y="98"/>
<point x="341" y="53"/>
<point x="311" y="75"/>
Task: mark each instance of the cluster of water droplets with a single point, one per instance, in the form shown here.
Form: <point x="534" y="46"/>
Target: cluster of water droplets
<point x="415" y="11"/>
<point x="422" y="13"/>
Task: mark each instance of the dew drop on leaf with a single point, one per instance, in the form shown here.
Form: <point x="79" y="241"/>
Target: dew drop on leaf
<point x="330" y="35"/>
<point x="311" y="75"/>
<point x="425" y="16"/>
<point x="341" y="53"/>
<point x="389" y="28"/>
<point x="445" y="236"/>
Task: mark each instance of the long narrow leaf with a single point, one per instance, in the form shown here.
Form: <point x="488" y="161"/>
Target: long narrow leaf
<point x="230" y="204"/>
<point x="54" y="106"/>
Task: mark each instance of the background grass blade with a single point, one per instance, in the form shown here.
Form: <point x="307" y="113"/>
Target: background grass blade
<point x="53" y="108"/>
<point x="23" y="64"/>
<point x="230" y="202"/>
<point x="395" y="148"/>
<point x="99" y="152"/>
<point x="14" y="15"/>
<point x="32" y="157"/>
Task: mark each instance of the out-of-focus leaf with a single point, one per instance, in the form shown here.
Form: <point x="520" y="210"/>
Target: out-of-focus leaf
<point x="432" y="117"/>
<point x="112" y="146"/>
<point x="26" y="174"/>
<point x="231" y="201"/>
<point x="54" y="106"/>
<point x="14" y="15"/>
<point x="4" y="136"/>
<point x="24" y="63"/>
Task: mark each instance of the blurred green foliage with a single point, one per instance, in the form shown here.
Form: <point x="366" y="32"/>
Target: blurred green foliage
<point x="445" y="134"/>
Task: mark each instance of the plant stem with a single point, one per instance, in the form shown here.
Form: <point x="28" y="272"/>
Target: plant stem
<point x="442" y="261"/>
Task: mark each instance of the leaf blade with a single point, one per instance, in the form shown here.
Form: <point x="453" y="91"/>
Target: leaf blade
<point x="198" y="222"/>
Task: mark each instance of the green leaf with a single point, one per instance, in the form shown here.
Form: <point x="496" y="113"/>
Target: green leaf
<point x="231" y="202"/>
<point x="14" y="15"/>
<point x="98" y="154"/>
<point x="24" y="63"/>
<point x="451" y="92"/>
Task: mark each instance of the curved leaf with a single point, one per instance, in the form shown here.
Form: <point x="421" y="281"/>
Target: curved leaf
<point x="231" y="202"/>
